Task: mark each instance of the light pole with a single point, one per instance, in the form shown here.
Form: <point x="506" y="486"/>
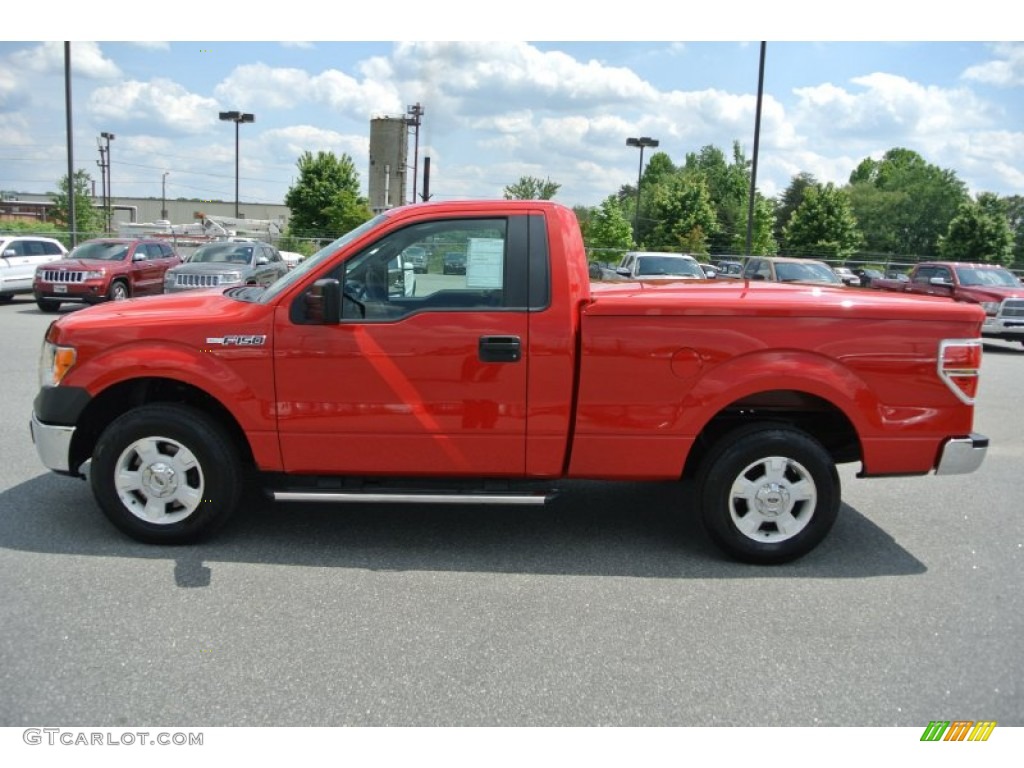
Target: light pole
<point x="643" y="141"/>
<point x="237" y="118"/>
<point x="163" y="197"/>
<point x="110" y="190"/>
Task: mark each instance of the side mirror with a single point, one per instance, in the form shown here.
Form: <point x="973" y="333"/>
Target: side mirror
<point x="624" y="271"/>
<point x="323" y="302"/>
<point x="262" y="261"/>
<point x="9" y="252"/>
<point x="941" y="282"/>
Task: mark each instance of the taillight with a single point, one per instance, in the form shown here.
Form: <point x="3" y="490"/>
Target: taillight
<point x="959" y="365"/>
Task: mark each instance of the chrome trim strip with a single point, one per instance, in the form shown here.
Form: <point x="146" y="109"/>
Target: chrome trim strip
<point x="411" y="498"/>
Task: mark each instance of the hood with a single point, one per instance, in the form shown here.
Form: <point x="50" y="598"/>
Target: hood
<point x="992" y="292"/>
<point x="89" y="264"/>
<point x="208" y="268"/>
<point x="151" y="316"/>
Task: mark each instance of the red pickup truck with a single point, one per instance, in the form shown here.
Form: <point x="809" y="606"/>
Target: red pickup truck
<point x="994" y="288"/>
<point x="336" y="384"/>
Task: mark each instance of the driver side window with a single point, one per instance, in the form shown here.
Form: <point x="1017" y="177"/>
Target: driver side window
<point x="433" y="266"/>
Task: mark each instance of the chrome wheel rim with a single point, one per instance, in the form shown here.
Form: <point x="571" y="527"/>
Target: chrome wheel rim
<point x="773" y="499"/>
<point x="120" y="292"/>
<point x="159" y="480"/>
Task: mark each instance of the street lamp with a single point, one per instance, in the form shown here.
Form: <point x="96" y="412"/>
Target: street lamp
<point x="237" y="118"/>
<point x="643" y="141"/>
<point x="110" y="191"/>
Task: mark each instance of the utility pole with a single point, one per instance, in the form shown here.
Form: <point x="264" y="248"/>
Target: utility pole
<point x="163" y="197"/>
<point x="110" y="192"/>
<point x="72" y="227"/>
<point x="102" y="163"/>
<point x="415" y="112"/>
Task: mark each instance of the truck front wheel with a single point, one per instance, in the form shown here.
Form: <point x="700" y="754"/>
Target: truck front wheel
<point x="768" y="493"/>
<point x="166" y="474"/>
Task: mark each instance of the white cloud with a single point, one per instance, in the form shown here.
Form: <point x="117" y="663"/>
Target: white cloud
<point x="152" y="45"/>
<point x="159" y="102"/>
<point x="1006" y="70"/>
<point x="258" y="85"/>
<point x="87" y="60"/>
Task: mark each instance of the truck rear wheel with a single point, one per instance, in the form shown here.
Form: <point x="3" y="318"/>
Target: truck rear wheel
<point x="768" y="493"/>
<point x="166" y="474"/>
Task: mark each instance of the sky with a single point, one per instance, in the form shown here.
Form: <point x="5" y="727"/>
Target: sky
<point x="494" y="111"/>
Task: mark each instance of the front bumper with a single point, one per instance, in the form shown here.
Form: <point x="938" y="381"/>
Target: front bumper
<point x="53" y="444"/>
<point x="962" y="455"/>
<point x="1011" y="328"/>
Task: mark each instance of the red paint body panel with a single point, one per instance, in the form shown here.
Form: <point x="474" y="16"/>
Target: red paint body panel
<point x="614" y="382"/>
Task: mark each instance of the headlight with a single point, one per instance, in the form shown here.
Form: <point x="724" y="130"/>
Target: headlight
<point x="92" y="275"/>
<point x="54" y="362"/>
<point x="990" y="307"/>
<point x="230" y="277"/>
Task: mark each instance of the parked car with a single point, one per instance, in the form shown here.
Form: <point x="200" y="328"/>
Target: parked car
<point x="229" y="263"/>
<point x="104" y="269"/>
<point x="709" y="270"/>
<point x="730" y="269"/>
<point x="644" y="265"/>
<point x="867" y="275"/>
<point x="19" y="257"/>
<point x="783" y="269"/>
<point x="416" y="255"/>
<point x="454" y="263"/>
<point x="847" y="276"/>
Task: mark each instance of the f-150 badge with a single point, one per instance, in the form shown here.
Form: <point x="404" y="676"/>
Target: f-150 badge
<point x="238" y="341"/>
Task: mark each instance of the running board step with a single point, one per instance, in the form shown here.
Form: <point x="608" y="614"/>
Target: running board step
<point x="375" y="497"/>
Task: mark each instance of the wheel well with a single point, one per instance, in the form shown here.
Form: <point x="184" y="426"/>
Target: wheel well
<point x="121" y="398"/>
<point x="808" y="413"/>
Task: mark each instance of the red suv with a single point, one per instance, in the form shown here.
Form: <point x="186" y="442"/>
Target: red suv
<point x="104" y="269"/>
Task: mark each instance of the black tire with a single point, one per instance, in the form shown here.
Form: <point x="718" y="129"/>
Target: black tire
<point x="119" y="291"/>
<point x="6" y="298"/>
<point x="184" y="490"/>
<point x="47" y="305"/>
<point x="788" y="503"/>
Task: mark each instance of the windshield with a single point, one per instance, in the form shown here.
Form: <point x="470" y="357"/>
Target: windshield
<point x="792" y="272"/>
<point x="313" y="262"/>
<point x="663" y="266"/>
<point x="987" y="276"/>
<point x="222" y="253"/>
<point x="100" y="251"/>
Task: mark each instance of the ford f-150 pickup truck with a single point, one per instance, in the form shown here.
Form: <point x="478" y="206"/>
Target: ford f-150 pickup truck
<point x="994" y="288"/>
<point x="336" y="384"/>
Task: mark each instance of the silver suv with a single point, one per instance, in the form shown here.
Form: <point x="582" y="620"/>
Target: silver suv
<point x="19" y="257"/>
<point x="222" y="264"/>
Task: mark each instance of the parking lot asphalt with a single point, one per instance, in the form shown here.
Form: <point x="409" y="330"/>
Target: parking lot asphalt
<point x="608" y="607"/>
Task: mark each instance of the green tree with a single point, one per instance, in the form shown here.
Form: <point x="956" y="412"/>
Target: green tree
<point x="685" y="217"/>
<point x="1015" y="216"/>
<point x="790" y="200"/>
<point x="762" y="241"/>
<point x="728" y="186"/>
<point x="979" y="232"/>
<point x="823" y="225"/>
<point x="531" y="188"/>
<point x="903" y="204"/>
<point x="89" y="220"/>
<point x="609" y="230"/>
<point x="325" y="200"/>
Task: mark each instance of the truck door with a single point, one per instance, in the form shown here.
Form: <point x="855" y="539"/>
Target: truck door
<point x="422" y="379"/>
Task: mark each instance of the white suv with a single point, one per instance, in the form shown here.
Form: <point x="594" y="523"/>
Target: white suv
<point x="19" y="257"/>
